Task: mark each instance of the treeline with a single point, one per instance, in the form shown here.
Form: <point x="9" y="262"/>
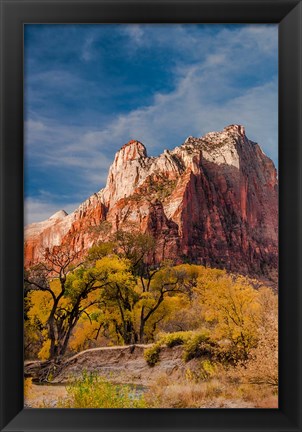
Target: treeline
<point x="117" y="296"/>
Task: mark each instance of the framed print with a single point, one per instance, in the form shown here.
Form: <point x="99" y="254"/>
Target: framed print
<point x="151" y="204"/>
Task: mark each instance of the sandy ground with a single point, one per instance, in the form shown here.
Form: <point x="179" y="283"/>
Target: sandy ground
<point x="47" y="396"/>
<point x="44" y="396"/>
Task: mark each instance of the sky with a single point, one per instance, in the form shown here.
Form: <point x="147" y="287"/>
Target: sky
<point x="89" y="89"/>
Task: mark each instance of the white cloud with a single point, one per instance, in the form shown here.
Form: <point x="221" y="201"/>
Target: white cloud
<point x="37" y="209"/>
<point x="87" y="49"/>
<point x="207" y="96"/>
<point x="74" y="151"/>
<point x="35" y="126"/>
<point x="136" y="33"/>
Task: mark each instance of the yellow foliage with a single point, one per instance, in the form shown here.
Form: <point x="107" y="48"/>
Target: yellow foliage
<point x="27" y="386"/>
<point x="231" y="305"/>
<point x="189" y="375"/>
<point x="262" y="367"/>
<point x="110" y="292"/>
<point x="45" y="350"/>
<point x="83" y="333"/>
<point x="40" y="303"/>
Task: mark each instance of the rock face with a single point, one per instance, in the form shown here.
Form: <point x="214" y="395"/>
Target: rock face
<point x="212" y="201"/>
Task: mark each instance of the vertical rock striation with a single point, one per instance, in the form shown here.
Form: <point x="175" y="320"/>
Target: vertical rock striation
<point x="213" y="201"/>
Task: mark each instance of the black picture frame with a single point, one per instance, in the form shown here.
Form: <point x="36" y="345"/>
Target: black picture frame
<point x="14" y="13"/>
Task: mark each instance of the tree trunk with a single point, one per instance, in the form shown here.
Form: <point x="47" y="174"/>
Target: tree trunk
<point x="142" y="326"/>
<point x="52" y="333"/>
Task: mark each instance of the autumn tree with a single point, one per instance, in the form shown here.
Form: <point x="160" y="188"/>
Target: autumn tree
<point x="262" y="365"/>
<point x="126" y="297"/>
<point x="159" y="285"/>
<point x="155" y="282"/>
<point x="121" y="293"/>
<point x="57" y="294"/>
<point x="118" y="296"/>
<point x="135" y="295"/>
<point x="138" y="248"/>
<point x="231" y="305"/>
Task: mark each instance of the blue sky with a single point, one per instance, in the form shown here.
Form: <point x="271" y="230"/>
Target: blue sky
<point x="89" y="89"/>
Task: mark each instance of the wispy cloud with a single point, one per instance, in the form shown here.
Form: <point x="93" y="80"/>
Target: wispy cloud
<point x="87" y="52"/>
<point x="215" y="79"/>
<point x="58" y="147"/>
<point x="136" y="34"/>
<point x="36" y="209"/>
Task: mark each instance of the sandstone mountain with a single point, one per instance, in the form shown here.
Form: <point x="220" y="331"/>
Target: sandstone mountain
<point x="212" y="201"/>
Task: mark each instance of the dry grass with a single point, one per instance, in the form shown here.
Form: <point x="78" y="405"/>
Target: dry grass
<point x="221" y="391"/>
<point x="164" y="394"/>
<point x="27" y="387"/>
<point x="43" y="396"/>
<point x="218" y="392"/>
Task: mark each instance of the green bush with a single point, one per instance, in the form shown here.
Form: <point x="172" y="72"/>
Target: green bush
<point x="196" y="344"/>
<point x="152" y="354"/>
<point x="207" y="369"/>
<point x="171" y="340"/>
<point x="199" y="345"/>
<point x="175" y="339"/>
<point x="92" y="391"/>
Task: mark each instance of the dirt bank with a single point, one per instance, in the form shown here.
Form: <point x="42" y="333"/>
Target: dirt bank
<point x="122" y="364"/>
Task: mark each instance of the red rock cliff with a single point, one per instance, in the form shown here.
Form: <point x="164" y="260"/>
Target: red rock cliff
<point x="213" y="201"/>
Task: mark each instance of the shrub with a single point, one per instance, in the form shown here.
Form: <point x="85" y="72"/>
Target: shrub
<point x="196" y="344"/>
<point x="199" y="345"/>
<point x="170" y="340"/>
<point x="152" y="354"/>
<point x="176" y="339"/>
<point x="207" y="369"/>
<point x="213" y="390"/>
<point x="92" y="391"/>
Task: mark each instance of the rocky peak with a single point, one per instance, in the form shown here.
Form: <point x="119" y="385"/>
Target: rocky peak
<point x="131" y="151"/>
<point x="235" y="129"/>
<point x="61" y="214"/>
<point x="128" y="169"/>
<point x="230" y="133"/>
<point x="213" y="199"/>
<point x="216" y="147"/>
<point x="225" y="147"/>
